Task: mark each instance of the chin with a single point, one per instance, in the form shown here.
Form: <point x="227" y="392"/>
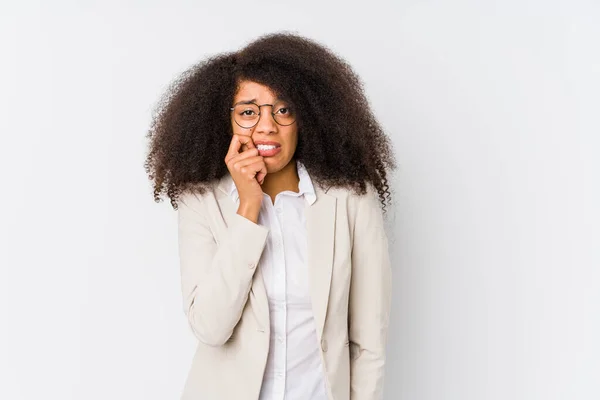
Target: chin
<point x="271" y="169"/>
<point x="274" y="165"/>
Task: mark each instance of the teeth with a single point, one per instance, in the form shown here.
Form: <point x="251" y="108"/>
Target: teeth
<point x="265" y="147"/>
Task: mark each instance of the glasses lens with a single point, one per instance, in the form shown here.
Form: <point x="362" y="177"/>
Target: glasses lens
<point x="246" y="115"/>
<point x="283" y="113"/>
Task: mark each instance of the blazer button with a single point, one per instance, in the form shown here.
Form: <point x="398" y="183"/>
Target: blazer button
<point x="324" y="345"/>
<point x="251" y="265"/>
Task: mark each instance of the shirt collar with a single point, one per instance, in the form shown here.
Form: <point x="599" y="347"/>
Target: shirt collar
<point x="305" y="186"/>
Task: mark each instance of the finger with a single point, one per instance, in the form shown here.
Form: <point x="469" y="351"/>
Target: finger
<point x="258" y="170"/>
<point x="255" y="166"/>
<point x="244" y="155"/>
<point x="247" y="140"/>
<point x="234" y="148"/>
<point x="262" y="173"/>
<point x="243" y="162"/>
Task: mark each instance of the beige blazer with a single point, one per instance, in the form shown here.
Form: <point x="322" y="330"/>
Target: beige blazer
<point x="226" y="303"/>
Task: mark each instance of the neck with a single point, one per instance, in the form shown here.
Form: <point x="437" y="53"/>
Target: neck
<point x="285" y="179"/>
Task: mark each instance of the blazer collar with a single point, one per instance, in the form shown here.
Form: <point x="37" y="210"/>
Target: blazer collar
<point x="320" y="225"/>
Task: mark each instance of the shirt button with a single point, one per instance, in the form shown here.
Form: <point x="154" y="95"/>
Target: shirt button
<point x="280" y="374"/>
<point x="251" y="265"/>
<point x="324" y="345"/>
<point x="280" y="338"/>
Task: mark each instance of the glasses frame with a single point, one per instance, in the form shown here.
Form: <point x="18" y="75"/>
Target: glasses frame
<point x="259" y="114"/>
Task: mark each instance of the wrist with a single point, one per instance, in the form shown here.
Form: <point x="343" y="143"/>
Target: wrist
<point x="249" y="211"/>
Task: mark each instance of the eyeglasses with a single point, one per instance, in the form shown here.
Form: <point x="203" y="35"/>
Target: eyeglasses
<point x="246" y="114"/>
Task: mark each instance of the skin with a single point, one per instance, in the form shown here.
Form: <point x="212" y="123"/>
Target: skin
<point x="252" y="173"/>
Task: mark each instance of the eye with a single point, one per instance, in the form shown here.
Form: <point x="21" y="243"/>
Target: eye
<point x="283" y="110"/>
<point x="247" y="112"/>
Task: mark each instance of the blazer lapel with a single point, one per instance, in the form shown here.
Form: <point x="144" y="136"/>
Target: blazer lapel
<point x="320" y="226"/>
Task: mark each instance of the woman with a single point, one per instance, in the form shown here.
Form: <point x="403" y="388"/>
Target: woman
<point x="277" y="168"/>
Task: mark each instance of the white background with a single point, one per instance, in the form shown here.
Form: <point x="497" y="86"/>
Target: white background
<point x="494" y="112"/>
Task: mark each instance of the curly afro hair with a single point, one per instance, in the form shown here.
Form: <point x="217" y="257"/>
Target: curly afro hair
<point x="340" y="142"/>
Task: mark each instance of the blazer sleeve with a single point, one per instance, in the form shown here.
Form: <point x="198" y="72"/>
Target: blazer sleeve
<point x="215" y="279"/>
<point x="369" y="301"/>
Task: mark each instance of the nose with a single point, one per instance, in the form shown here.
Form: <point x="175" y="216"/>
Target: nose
<point x="266" y="123"/>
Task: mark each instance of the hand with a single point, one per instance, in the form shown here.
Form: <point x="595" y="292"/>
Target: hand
<point x="247" y="169"/>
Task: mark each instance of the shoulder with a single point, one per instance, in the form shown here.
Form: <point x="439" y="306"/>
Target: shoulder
<point x="191" y="198"/>
<point x="354" y="203"/>
<point x="352" y="196"/>
<point x="197" y="197"/>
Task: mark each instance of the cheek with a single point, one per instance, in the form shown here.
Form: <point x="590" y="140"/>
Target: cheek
<point x="234" y="127"/>
<point x="292" y="138"/>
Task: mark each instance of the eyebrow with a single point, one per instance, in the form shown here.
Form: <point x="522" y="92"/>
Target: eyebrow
<point x="255" y="100"/>
<point x="247" y="101"/>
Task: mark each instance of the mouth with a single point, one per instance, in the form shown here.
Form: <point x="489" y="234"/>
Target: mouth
<point x="268" y="149"/>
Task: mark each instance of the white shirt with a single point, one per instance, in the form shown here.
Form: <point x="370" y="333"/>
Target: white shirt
<point x="294" y="370"/>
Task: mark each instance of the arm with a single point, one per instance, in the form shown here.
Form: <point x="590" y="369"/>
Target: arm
<point x="216" y="279"/>
<point x="369" y="302"/>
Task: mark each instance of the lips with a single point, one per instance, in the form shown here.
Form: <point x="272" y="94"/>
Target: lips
<point x="268" y="144"/>
<point x="268" y="152"/>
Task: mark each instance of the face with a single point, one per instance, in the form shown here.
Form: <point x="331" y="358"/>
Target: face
<point x="266" y="130"/>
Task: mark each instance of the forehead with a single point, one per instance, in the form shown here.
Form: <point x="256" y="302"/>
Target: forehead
<point x="248" y="90"/>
